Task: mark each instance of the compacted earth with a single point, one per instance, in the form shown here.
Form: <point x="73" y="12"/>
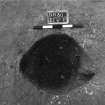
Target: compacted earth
<point x="17" y="18"/>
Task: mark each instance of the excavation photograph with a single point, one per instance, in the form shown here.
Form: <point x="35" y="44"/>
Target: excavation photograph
<point x="52" y="52"/>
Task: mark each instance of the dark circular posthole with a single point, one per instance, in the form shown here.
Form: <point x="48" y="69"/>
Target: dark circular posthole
<point x="52" y="61"/>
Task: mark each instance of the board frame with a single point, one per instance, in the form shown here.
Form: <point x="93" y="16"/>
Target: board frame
<point x="67" y="18"/>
